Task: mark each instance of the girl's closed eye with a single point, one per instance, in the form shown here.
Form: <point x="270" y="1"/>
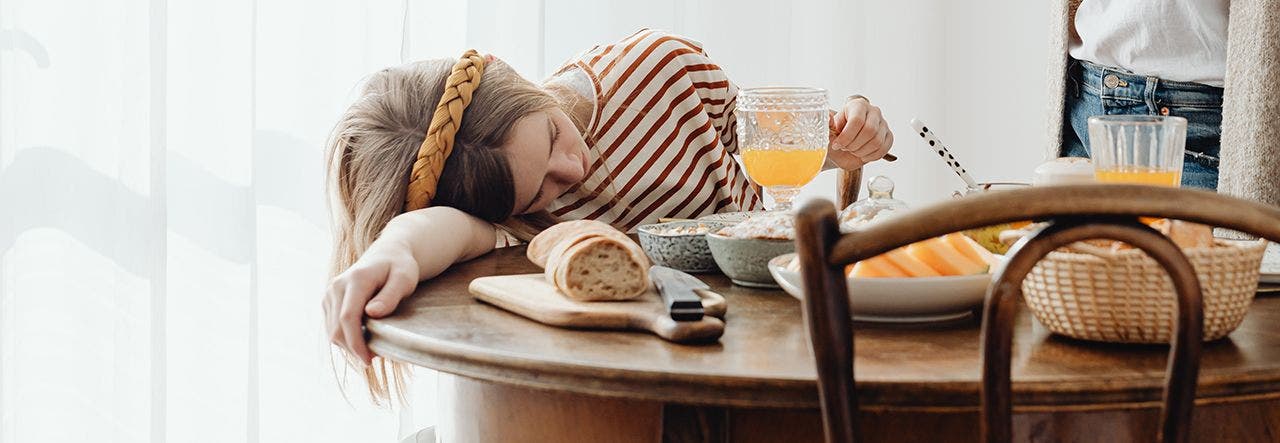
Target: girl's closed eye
<point x="555" y="135"/>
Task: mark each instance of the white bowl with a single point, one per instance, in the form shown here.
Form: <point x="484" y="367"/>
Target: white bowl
<point x="898" y="300"/>
<point x="730" y="217"/>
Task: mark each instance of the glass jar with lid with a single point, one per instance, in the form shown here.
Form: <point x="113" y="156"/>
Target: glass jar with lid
<point x="878" y="205"/>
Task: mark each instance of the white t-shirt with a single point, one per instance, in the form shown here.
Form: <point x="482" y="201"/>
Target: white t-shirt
<point x="1178" y="40"/>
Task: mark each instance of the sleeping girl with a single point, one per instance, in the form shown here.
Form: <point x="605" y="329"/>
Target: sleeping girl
<point x="441" y="161"/>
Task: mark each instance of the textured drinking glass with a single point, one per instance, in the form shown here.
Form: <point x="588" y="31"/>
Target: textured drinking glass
<point x="1140" y="149"/>
<point x="783" y="136"/>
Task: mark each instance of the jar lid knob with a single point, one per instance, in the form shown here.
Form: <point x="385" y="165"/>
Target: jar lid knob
<point x="880" y="187"/>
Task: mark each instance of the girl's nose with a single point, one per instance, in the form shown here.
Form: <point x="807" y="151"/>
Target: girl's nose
<point x="566" y="169"/>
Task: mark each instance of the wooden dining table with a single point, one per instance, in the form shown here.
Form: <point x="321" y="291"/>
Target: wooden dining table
<point x="518" y="380"/>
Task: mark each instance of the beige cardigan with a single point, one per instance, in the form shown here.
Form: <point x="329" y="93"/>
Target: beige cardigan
<point x="1250" y="154"/>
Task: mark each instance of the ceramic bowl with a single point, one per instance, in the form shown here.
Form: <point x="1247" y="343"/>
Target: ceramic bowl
<point x="730" y="217"/>
<point x="687" y="252"/>
<point x="746" y="260"/>
<point x="898" y="300"/>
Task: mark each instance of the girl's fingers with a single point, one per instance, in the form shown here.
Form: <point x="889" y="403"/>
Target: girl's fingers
<point x="855" y="120"/>
<point x="353" y="340"/>
<point x="844" y="159"/>
<point x="864" y="145"/>
<point x="401" y="281"/>
<point x="835" y="123"/>
<point x="332" y="305"/>
<point x="351" y="315"/>
<point x="885" y="142"/>
<point x="878" y="153"/>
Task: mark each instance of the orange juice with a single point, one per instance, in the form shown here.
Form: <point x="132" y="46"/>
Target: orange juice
<point x="1139" y="176"/>
<point x="794" y="167"/>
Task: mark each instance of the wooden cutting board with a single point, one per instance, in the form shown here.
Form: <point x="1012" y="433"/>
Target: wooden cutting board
<point x="530" y="295"/>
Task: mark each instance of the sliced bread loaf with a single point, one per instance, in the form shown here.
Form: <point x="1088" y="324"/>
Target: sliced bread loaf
<point x="594" y="264"/>
<point x="601" y="267"/>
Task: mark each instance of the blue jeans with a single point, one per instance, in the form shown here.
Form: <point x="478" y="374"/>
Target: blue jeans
<point x="1099" y="90"/>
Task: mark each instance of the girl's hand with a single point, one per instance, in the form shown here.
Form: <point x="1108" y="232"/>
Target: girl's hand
<point x="862" y="135"/>
<point x="373" y="286"/>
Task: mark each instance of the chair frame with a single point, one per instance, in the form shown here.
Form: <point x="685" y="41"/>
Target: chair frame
<point x="1074" y="213"/>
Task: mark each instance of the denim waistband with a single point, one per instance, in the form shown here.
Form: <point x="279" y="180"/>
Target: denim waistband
<point x="1118" y="84"/>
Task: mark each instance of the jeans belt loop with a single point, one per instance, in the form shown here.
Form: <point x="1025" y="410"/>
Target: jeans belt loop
<point x="1149" y="95"/>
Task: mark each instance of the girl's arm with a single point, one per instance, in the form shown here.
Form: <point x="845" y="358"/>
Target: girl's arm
<point x="414" y="246"/>
<point x="439" y="237"/>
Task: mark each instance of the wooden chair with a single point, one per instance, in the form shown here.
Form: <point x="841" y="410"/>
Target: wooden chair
<point x="1074" y="213"/>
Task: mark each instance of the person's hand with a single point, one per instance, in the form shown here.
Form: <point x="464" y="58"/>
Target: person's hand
<point x="862" y="136"/>
<point x="373" y="286"/>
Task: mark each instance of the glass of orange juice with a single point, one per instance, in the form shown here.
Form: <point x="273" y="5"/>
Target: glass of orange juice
<point x="783" y="136"/>
<point x="1138" y="149"/>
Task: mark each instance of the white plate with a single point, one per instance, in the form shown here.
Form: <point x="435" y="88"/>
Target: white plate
<point x="899" y="300"/>
<point x="1271" y="264"/>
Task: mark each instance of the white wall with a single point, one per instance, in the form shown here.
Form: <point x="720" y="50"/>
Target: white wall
<point x="162" y="230"/>
<point x="976" y="77"/>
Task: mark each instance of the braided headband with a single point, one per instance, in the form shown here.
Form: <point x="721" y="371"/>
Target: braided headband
<point x="436" y="147"/>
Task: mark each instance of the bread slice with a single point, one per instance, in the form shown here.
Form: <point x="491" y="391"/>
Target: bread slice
<point x="542" y="244"/>
<point x="600" y="267"/>
<point x="558" y="250"/>
<point x="1185" y="234"/>
<point x="591" y="261"/>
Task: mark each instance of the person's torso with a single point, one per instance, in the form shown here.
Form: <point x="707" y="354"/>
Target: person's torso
<point x="661" y="136"/>
<point x="1178" y="40"/>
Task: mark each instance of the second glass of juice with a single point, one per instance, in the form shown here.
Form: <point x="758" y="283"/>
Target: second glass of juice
<point x="1138" y="149"/>
<point x="783" y="135"/>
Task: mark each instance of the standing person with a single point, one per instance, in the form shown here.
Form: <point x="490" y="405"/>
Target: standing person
<point x="1213" y="62"/>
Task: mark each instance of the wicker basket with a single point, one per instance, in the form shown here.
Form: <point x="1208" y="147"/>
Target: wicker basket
<point x="1125" y="297"/>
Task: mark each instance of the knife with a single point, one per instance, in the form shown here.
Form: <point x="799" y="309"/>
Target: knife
<point x="677" y="288"/>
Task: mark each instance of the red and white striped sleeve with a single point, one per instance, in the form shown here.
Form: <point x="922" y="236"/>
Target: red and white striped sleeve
<point x="719" y="95"/>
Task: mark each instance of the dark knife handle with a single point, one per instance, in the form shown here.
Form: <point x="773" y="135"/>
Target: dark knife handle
<point x="683" y="305"/>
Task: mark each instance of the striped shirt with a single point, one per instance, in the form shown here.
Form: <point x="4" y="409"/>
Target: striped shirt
<point x="661" y="137"/>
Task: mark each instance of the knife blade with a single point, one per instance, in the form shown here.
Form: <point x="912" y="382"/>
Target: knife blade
<point x="677" y="290"/>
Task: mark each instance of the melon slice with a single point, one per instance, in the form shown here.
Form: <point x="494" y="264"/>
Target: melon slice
<point x="876" y="267"/>
<point x="908" y="264"/>
<point x="970" y="249"/>
<point x="940" y="256"/>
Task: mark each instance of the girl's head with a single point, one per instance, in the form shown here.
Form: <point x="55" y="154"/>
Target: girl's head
<point x="514" y="153"/>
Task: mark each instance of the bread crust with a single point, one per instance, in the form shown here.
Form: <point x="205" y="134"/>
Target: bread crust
<point x="573" y="247"/>
<point x="542" y="244"/>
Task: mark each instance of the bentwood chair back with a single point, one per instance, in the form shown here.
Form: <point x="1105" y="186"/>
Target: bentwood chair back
<point x="1073" y="213"/>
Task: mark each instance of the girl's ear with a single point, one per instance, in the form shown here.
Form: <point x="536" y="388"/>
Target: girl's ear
<point x="489" y="57"/>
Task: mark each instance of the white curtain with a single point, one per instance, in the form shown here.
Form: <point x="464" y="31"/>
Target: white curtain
<point x="163" y="238"/>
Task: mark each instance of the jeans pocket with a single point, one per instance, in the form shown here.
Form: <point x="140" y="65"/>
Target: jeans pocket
<point x="1204" y="133"/>
<point x="1203" y="122"/>
<point x="1206" y="160"/>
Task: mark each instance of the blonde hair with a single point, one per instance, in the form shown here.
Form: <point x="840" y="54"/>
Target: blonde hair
<point x="371" y="150"/>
